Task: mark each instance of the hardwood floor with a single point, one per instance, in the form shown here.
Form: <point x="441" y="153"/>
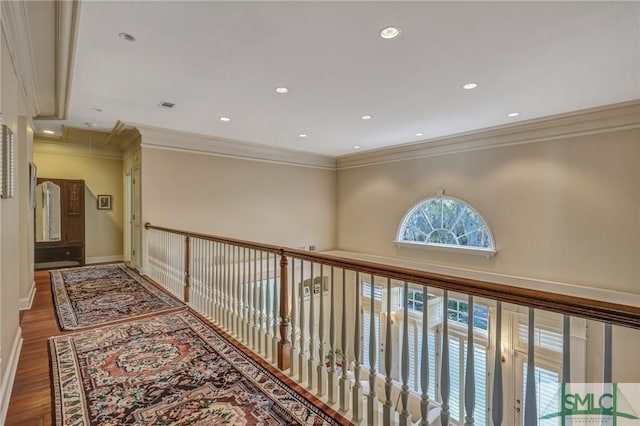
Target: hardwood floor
<point x="30" y="403"/>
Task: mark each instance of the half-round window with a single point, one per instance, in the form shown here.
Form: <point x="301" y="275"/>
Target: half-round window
<point x="446" y="222"/>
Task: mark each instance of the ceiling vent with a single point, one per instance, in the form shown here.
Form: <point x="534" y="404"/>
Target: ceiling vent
<point x="166" y="105"/>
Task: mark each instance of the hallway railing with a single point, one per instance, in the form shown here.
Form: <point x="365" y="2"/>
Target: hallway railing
<point x="384" y="344"/>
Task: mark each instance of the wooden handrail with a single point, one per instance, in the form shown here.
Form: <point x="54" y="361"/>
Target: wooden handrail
<point x="598" y="310"/>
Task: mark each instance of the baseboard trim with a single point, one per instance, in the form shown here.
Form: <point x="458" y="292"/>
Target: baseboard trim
<point x="104" y="259"/>
<point x="10" y="374"/>
<point x="27" y="302"/>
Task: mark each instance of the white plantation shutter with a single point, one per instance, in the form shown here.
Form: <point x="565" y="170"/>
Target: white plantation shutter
<point x="456" y="378"/>
<point x="544" y="394"/>
<point x="366" y="327"/>
<point x="544" y="338"/>
<point x="415" y="355"/>
<point x="480" y="369"/>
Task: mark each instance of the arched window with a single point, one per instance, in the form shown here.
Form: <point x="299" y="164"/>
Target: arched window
<point x="446" y="222"/>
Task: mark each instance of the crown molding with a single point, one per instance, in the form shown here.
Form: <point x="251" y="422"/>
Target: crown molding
<point x="608" y="118"/>
<point x="67" y="20"/>
<point x="15" y="27"/>
<point x="159" y="138"/>
<point x="56" y="147"/>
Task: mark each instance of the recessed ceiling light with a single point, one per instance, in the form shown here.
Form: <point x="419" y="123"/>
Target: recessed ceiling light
<point x="513" y="114"/>
<point x="366" y="117"/>
<point x="356" y="147"/>
<point x="49" y="132"/>
<point x="469" y="86"/>
<point x="127" y="37"/>
<point x="91" y="125"/>
<point x="303" y="135"/>
<point x="225" y="119"/>
<point x="167" y="105"/>
<point x="389" y="32"/>
<point x="419" y="134"/>
<point x="282" y="90"/>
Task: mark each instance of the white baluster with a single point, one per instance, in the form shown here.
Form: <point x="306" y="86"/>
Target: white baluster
<point x="245" y="296"/>
<point x="372" y="398"/>
<point x="268" y="320"/>
<point x="405" y="416"/>
<point x="357" y="409"/>
<point x="238" y="304"/>
<point x="497" y="398"/>
<point x="276" y="310"/>
<point x="445" y="372"/>
<point x="311" y="361"/>
<point x="470" y="378"/>
<point x="344" y="384"/>
<point x="302" y="356"/>
<point x="608" y="354"/>
<point x="322" y="369"/>
<point x="294" y="341"/>
<point x="332" y="377"/>
<point x="566" y="349"/>
<point x="255" y="338"/>
<point x="530" y="404"/>
<point x="424" y="360"/>
<point x="387" y="410"/>
<point x="262" y="317"/>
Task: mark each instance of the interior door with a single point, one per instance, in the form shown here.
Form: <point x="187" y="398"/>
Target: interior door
<point x="135" y="220"/>
<point x="128" y="212"/>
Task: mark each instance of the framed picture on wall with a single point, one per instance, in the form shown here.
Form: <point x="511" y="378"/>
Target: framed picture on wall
<point x="104" y="202"/>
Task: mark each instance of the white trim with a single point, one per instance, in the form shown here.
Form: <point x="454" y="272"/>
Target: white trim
<point x="76" y="150"/>
<point x="67" y="21"/>
<point x="10" y="374"/>
<point x="608" y="118"/>
<point x="474" y="251"/>
<point x="15" y="27"/>
<point x="569" y="289"/>
<point x="174" y="140"/>
<point x="26" y="302"/>
<point x="103" y="259"/>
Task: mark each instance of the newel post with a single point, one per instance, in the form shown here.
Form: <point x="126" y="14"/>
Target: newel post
<point x="284" y="346"/>
<point x="187" y="273"/>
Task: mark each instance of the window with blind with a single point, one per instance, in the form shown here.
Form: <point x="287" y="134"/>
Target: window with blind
<point x="457" y="365"/>
<point x="544" y="394"/>
<point x="548" y="352"/>
<point x="366" y="338"/>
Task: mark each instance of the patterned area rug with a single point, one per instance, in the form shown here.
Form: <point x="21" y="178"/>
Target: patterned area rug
<point x="170" y="369"/>
<point x="96" y="295"/>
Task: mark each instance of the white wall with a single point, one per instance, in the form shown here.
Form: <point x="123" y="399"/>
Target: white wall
<point x="15" y="232"/>
<point x="253" y="200"/>
<point x="562" y="210"/>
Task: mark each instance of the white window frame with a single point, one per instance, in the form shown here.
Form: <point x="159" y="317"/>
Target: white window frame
<point x="458" y="249"/>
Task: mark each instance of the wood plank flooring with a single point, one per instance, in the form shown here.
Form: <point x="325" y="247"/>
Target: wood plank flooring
<point x="30" y="403"/>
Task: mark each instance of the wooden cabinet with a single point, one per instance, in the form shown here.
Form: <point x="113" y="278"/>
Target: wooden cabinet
<point x="65" y="247"/>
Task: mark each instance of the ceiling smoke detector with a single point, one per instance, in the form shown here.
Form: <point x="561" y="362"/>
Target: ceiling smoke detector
<point x="166" y="105"/>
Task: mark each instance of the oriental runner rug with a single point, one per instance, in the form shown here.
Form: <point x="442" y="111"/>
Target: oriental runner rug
<point x="96" y="295"/>
<point x="171" y="369"/>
